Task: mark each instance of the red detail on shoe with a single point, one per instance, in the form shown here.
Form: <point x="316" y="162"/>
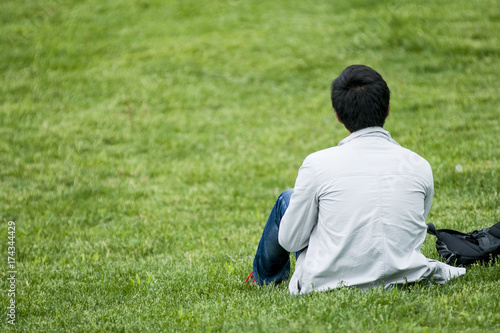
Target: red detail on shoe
<point x="250" y="276"/>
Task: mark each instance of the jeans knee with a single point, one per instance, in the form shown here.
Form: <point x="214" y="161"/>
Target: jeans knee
<point x="283" y="201"/>
<point x="286" y="195"/>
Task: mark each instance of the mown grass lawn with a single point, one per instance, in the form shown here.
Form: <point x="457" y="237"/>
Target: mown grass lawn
<point x="143" y="143"/>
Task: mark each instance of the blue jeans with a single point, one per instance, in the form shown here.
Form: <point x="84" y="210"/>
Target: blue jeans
<point x="272" y="262"/>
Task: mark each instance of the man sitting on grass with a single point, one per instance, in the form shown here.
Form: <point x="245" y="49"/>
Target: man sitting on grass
<point x="356" y="216"/>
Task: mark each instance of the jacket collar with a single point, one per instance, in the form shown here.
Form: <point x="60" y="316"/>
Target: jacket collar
<point x="375" y="131"/>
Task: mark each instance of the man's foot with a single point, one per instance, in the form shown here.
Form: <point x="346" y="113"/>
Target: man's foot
<point x="250" y="276"/>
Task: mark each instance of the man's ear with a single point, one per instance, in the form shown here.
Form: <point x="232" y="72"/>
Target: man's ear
<point x="337" y="116"/>
<point x="388" y="110"/>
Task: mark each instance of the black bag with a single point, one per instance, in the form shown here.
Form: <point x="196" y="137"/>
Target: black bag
<point x="461" y="249"/>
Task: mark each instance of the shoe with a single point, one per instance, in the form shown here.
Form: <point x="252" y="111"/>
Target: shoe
<point x="250" y="276"/>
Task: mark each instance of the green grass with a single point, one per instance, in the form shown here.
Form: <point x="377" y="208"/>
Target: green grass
<point x="143" y="144"/>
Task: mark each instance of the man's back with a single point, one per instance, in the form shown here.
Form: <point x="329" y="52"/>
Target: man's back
<point x="365" y="222"/>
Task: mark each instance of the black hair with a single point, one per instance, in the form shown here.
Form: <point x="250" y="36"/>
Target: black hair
<point x="360" y="97"/>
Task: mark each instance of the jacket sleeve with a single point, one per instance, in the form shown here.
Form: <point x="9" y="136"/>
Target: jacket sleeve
<point x="302" y="213"/>
<point x="429" y="195"/>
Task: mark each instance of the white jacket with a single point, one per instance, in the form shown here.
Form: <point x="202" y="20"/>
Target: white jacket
<point x="360" y="209"/>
